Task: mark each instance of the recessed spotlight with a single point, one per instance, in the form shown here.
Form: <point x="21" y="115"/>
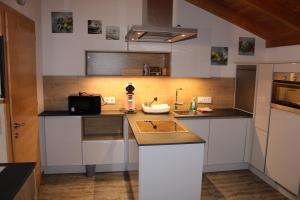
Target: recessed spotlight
<point x="169" y="40"/>
<point x="132" y="39"/>
<point x="139" y="33"/>
<point x="182" y="35"/>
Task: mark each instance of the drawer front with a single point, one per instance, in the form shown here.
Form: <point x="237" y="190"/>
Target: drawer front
<point x="103" y="125"/>
<point x="103" y="152"/>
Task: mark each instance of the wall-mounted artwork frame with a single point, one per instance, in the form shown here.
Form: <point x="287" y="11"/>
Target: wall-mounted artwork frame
<point x="94" y="26"/>
<point x="246" y="46"/>
<point x="112" y="33"/>
<point x="62" y="22"/>
<point x="219" y="56"/>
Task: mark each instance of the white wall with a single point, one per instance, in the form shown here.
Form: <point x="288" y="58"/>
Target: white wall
<point x="32" y="9"/>
<point x="212" y="31"/>
<point x="63" y="54"/>
<point x="283" y="54"/>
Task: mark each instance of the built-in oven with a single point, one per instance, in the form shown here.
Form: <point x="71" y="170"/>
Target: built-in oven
<point x="286" y="91"/>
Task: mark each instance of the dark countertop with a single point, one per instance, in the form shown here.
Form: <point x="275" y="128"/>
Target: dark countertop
<point x="164" y="138"/>
<point x="216" y="113"/>
<point x="66" y="113"/>
<point x="144" y="139"/>
<point x="13" y="177"/>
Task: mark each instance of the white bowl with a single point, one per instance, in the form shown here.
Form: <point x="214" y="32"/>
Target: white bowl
<point x="156" y="108"/>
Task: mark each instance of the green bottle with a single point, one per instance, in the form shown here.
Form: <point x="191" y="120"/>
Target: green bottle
<point x="193" y="104"/>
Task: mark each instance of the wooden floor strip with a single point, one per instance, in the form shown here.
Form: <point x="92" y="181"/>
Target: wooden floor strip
<point x="232" y="185"/>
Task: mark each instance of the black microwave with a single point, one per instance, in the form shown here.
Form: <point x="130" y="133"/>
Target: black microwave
<point x="84" y="104"/>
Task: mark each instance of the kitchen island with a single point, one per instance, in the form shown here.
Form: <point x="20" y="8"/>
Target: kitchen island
<point x="169" y="162"/>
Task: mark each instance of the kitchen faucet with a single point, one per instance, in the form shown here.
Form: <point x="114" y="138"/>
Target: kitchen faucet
<point x="176" y="99"/>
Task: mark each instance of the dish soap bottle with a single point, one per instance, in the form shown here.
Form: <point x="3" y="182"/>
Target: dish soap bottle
<point x="193" y="104"/>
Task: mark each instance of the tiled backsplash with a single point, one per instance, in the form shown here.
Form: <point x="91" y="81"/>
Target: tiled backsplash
<point x="58" y="88"/>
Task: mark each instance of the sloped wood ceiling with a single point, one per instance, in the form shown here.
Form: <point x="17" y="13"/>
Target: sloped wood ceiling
<point x="276" y="21"/>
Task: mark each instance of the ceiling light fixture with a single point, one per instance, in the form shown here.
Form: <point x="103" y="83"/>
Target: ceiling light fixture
<point x="183" y="35"/>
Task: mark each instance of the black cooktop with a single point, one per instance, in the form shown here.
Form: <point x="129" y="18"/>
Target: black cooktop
<point x="159" y="126"/>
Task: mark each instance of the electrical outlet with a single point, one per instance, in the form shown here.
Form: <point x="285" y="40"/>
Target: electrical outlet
<point x="204" y="99"/>
<point x="110" y="100"/>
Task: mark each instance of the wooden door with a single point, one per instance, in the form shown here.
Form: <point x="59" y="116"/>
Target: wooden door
<point x="21" y="66"/>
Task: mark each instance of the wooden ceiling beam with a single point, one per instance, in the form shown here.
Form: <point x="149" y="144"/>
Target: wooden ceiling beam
<point x="214" y="7"/>
<point x="276" y="11"/>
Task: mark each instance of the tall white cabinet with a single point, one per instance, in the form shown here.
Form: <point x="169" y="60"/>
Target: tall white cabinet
<point x="283" y="155"/>
<point x="264" y="80"/>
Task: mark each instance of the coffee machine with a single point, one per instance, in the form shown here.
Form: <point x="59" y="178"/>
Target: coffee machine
<point x="130" y="101"/>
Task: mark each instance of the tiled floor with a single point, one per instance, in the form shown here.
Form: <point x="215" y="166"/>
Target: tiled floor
<point x="233" y="185"/>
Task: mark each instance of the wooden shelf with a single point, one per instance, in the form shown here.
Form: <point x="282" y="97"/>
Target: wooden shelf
<point x="118" y="63"/>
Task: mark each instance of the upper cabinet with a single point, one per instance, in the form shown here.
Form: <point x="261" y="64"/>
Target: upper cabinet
<point x="263" y="96"/>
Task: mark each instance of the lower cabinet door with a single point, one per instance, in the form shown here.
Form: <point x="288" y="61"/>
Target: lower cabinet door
<point x="63" y="140"/>
<point x="259" y="148"/>
<point x="103" y="152"/>
<point x="283" y="153"/>
<point x="201" y="128"/>
<point x="227" y="141"/>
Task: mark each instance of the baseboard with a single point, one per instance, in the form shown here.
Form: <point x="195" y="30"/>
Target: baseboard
<point x="132" y="167"/>
<point x="225" y="167"/>
<point x="273" y="184"/>
<point x="81" y="169"/>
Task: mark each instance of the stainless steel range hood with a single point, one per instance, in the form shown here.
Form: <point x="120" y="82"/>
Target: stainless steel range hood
<point x="157" y="25"/>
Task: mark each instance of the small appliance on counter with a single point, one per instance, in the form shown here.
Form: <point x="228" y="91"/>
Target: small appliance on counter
<point x="84" y="103"/>
<point x="130" y="101"/>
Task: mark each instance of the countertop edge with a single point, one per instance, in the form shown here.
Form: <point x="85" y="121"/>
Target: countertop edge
<point x="29" y="167"/>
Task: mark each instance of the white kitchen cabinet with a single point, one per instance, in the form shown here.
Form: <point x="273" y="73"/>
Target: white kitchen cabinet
<point x="263" y="96"/>
<point x="201" y="128"/>
<point x="283" y="158"/>
<point x="259" y="148"/>
<point x="261" y="115"/>
<point x="227" y="141"/>
<point x="63" y="140"/>
<point x="102" y="152"/>
<point x="288" y="67"/>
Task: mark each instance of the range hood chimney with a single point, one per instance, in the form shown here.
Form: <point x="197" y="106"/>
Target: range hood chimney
<point x="157" y="25"/>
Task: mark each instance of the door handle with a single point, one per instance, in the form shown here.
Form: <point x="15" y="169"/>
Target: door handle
<point x="18" y="125"/>
<point x="16" y="135"/>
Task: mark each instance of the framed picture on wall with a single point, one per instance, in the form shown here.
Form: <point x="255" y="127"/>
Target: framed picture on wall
<point x="219" y="56"/>
<point x="246" y="46"/>
<point x="113" y="33"/>
<point x="62" y="22"/>
<point x="94" y="27"/>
